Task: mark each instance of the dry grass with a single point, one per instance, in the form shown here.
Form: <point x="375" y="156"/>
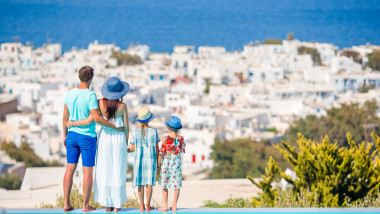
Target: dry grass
<point x="76" y="199"/>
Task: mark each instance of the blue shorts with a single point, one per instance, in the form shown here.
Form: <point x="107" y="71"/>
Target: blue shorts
<point x="77" y="144"/>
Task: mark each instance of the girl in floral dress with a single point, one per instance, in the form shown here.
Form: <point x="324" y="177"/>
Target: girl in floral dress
<point x="169" y="161"/>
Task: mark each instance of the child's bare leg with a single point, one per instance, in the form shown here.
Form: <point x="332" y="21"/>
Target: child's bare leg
<point x="149" y="191"/>
<point x="165" y="196"/>
<point x="141" y="197"/>
<point x="176" y="196"/>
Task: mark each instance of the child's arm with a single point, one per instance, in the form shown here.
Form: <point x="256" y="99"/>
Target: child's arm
<point x="132" y="149"/>
<point x="158" y="156"/>
<point x="84" y="122"/>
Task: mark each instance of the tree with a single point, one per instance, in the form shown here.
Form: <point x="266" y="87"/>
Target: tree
<point x="26" y="154"/>
<point x="353" y="54"/>
<point x="338" y="121"/>
<point x="10" y="181"/>
<point x="315" y="56"/>
<point x="234" y="159"/>
<point x="327" y="174"/>
<point x="374" y="60"/>
<point x="126" y="59"/>
<point x="290" y="36"/>
<point x="273" y="41"/>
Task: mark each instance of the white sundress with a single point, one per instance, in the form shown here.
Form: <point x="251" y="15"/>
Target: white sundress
<point x="111" y="167"/>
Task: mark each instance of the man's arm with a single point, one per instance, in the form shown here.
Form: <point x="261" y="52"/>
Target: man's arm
<point x="84" y="122"/>
<point x="100" y="120"/>
<point x="65" y="118"/>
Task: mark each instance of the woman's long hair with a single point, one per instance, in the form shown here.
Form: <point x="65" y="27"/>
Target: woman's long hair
<point x="111" y="107"/>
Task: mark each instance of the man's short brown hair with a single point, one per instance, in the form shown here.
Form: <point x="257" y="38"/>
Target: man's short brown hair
<point x="86" y="73"/>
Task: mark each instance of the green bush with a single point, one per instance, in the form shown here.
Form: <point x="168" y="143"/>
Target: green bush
<point x="10" y="181"/>
<point x="76" y="199"/>
<point x="234" y="159"/>
<point x="353" y="54"/>
<point x="338" y="121"/>
<point x="374" y="60"/>
<point x="328" y="175"/>
<point x="125" y="59"/>
<point x="26" y="154"/>
<point x="273" y="41"/>
<point x="286" y="199"/>
<point x="315" y="56"/>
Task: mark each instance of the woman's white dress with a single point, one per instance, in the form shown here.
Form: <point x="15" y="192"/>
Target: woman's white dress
<point x="111" y="166"/>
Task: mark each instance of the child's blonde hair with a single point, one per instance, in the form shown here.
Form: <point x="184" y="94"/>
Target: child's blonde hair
<point x="142" y="124"/>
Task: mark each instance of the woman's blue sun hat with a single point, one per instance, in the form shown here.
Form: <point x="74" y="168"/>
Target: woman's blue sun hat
<point x="144" y="115"/>
<point x="114" y="89"/>
<point x="174" y="123"/>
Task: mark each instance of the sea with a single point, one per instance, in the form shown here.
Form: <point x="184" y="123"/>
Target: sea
<point x="162" y="24"/>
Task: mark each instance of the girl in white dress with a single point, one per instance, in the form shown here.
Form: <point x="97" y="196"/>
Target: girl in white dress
<point x="111" y="159"/>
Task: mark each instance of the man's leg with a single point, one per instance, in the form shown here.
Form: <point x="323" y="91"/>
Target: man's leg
<point x="87" y="187"/>
<point x="88" y="151"/>
<point x="67" y="184"/>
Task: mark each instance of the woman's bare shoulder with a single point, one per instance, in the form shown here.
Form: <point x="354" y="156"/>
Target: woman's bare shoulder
<point x="121" y="107"/>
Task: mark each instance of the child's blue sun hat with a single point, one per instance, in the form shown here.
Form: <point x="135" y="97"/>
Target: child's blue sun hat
<point x="174" y="123"/>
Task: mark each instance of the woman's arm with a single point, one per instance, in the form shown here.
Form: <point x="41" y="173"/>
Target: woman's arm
<point x="126" y="123"/>
<point x="84" y="122"/>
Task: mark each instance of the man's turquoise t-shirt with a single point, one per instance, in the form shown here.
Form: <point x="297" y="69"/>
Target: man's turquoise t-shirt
<point x="80" y="102"/>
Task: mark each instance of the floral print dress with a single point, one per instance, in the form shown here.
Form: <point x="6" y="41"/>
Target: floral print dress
<point x="171" y="170"/>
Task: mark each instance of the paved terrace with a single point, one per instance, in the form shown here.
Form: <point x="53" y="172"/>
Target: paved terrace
<point x="215" y="210"/>
<point x="193" y="193"/>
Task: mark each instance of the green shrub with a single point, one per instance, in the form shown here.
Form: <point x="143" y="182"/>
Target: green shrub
<point x="273" y="41"/>
<point x="230" y="203"/>
<point x="234" y="159"/>
<point x="10" y="181"/>
<point x="328" y="175"/>
<point x="76" y="199"/>
<point x="374" y="60"/>
<point x="353" y="54"/>
<point x="286" y="199"/>
<point x="338" y="121"/>
<point x="26" y="154"/>
<point x="315" y="56"/>
<point x="125" y="59"/>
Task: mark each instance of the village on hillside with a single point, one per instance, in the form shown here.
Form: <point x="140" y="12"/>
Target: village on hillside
<point x="252" y="93"/>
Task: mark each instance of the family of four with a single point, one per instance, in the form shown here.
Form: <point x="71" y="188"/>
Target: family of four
<point x="108" y="150"/>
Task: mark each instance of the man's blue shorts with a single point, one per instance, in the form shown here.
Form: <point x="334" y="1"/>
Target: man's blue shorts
<point x="77" y="144"/>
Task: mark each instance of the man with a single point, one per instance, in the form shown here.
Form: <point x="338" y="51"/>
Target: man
<point x="79" y="103"/>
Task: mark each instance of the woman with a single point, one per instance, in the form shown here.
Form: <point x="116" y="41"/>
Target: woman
<point x="111" y="159"/>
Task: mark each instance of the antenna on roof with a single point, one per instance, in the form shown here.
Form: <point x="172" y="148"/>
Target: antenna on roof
<point x="15" y="38"/>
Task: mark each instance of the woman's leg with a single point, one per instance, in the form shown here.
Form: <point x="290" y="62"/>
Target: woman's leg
<point x="149" y="191"/>
<point x="176" y="196"/>
<point x="109" y="209"/>
<point x="141" y="197"/>
<point x="165" y="196"/>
